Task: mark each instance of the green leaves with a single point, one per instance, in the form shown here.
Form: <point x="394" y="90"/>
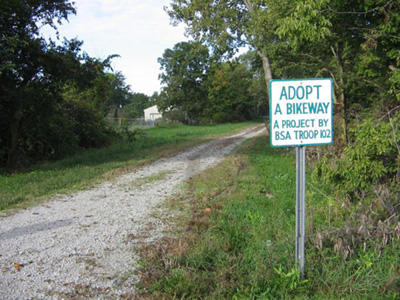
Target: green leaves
<point x="52" y="97"/>
<point x="306" y="24"/>
<point x="185" y="70"/>
<point x="229" y="93"/>
<point x="372" y="158"/>
<point x="206" y="90"/>
<point x="290" y="280"/>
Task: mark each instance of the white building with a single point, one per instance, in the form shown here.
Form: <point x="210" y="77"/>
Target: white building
<point x="152" y="113"/>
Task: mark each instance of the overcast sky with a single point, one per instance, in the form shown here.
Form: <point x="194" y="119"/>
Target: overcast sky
<point x="138" y="30"/>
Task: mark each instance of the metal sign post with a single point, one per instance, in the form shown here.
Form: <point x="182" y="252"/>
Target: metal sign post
<point x="301" y="114"/>
<point x="300" y="208"/>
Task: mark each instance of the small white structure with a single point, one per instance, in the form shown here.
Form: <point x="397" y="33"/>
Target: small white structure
<point x="152" y="113"/>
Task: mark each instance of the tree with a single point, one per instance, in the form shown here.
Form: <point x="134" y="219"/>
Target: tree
<point x="28" y="75"/>
<point x="52" y="97"/>
<point x="153" y="98"/>
<point x="228" y="24"/>
<point x="89" y="82"/>
<point x="323" y="33"/>
<point x="229" y="93"/>
<point x="359" y="49"/>
<point x="258" y="86"/>
<point x="184" y="76"/>
<point x="358" y="41"/>
<point x="138" y="103"/>
<point x="120" y="91"/>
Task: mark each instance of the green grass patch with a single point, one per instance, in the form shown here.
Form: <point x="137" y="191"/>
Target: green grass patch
<point x="89" y="167"/>
<point x="238" y="241"/>
<point x="148" y="179"/>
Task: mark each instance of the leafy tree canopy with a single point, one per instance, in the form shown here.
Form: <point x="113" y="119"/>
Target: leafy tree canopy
<point x="52" y="97"/>
<point x="184" y="75"/>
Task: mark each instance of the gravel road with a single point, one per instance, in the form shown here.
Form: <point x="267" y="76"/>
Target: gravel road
<point x="82" y="245"/>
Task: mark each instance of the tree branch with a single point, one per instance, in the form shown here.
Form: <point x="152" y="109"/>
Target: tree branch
<point x="389" y="112"/>
<point x="359" y="12"/>
<point x="249" y="6"/>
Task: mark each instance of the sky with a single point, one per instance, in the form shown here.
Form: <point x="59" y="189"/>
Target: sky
<point x="138" y="30"/>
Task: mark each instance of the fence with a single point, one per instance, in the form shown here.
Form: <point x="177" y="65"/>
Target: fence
<point x="131" y="122"/>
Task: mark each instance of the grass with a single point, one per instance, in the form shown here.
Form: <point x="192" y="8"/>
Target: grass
<point x="156" y="177"/>
<point x="89" y="167"/>
<point x="238" y="240"/>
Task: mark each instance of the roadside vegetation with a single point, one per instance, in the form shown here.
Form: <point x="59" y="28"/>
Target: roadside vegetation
<point x="55" y="99"/>
<point x="92" y="165"/>
<point x="237" y="237"/>
<point x="238" y="242"/>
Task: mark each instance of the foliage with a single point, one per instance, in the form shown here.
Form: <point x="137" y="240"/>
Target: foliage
<point x="89" y="128"/>
<point x="52" y="97"/>
<point x="220" y="23"/>
<point x="258" y="88"/>
<point x="238" y="241"/>
<point x="210" y="91"/>
<point x="29" y="76"/>
<point x="120" y="92"/>
<point x="353" y="42"/>
<point x="175" y="115"/>
<point x="138" y="102"/>
<point x="227" y="25"/>
<point x="372" y="158"/>
<point x="184" y="74"/>
<point x="131" y="135"/>
<point x="306" y="23"/>
<point x="230" y="97"/>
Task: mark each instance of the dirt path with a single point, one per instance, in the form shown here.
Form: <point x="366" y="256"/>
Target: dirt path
<point x="83" y="245"/>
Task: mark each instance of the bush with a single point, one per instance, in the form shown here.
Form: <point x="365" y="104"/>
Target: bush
<point x="52" y="139"/>
<point x="372" y="158"/>
<point x="175" y="115"/>
<point x="131" y="135"/>
<point x="56" y="133"/>
<point x="88" y="124"/>
<point x="222" y="117"/>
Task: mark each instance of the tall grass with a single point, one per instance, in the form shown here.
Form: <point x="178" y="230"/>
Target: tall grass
<point x="91" y="166"/>
<point x="239" y="241"/>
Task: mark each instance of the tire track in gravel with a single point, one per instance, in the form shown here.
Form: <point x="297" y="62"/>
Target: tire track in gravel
<point x="83" y="245"/>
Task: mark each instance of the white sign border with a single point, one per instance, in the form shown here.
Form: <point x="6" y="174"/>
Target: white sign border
<point x="270" y="111"/>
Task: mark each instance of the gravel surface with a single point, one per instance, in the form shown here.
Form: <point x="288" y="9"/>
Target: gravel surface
<point x="82" y="245"/>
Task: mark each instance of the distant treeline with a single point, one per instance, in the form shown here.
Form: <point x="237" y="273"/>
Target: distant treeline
<point x="208" y="88"/>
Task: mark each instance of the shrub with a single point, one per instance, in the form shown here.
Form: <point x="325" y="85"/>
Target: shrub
<point x="175" y="115"/>
<point x="222" y="117"/>
<point x="129" y="135"/>
<point x="88" y="124"/>
<point x="372" y="158"/>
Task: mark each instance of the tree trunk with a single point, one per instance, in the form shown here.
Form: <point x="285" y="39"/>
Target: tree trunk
<point x="266" y="67"/>
<point x="12" y="156"/>
<point x="341" y="103"/>
<point x="264" y="58"/>
<point x="267" y="73"/>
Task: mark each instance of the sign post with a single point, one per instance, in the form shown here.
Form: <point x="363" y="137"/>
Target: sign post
<point x="300" y="207"/>
<point x="301" y="115"/>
